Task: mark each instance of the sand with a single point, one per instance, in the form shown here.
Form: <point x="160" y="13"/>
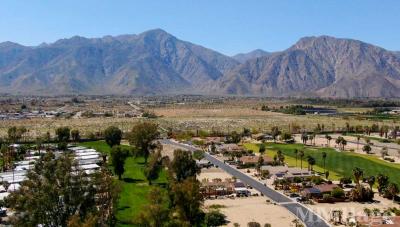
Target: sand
<point x="244" y="210"/>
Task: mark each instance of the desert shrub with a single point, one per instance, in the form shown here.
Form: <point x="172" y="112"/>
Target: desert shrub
<point x="337" y="193"/>
<point x="215" y="218"/>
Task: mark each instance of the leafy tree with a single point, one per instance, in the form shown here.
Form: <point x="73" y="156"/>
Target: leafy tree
<point x="215" y="218"/>
<point x="383" y="181"/>
<point x="113" y="136"/>
<point x="63" y="134"/>
<point x="187" y="201"/>
<point x="275" y="132"/>
<point x="75" y="135"/>
<point x="118" y="157"/>
<point x="154" y="166"/>
<point x="198" y="154"/>
<point x="262" y="149"/>
<point x="367" y="148"/>
<point x="234" y="137"/>
<point x="156" y="212"/>
<point x="183" y="165"/>
<point x="337" y="193"/>
<point x="286" y="136"/>
<point x="15" y="133"/>
<point x="392" y="190"/>
<point x="56" y="189"/>
<point x="142" y="137"/>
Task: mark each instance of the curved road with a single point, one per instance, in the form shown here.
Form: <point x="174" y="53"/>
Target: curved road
<point x="307" y="216"/>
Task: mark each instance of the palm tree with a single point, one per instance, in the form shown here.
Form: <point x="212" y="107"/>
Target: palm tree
<point x="324" y="159"/>
<point x="304" y="138"/>
<point x="383" y="181"/>
<point x="296" y="152"/>
<point x="357" y="173"/>
<point x="371" y="181"/>
<point x="393" y="190"/>
<point x="301" y="155"/>
<point x="367" y="212"/>
<point x="328" y="139"/>
<point x="358" y="141"/>
<point x="311" y="162"/>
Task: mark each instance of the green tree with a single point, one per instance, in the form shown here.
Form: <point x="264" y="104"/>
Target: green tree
<point x="367" y="148"/>
<point x="154" y="166"/>
<point x="118" y="157"/>
<point x="113" y="136"/>
<point x="142" y="137"/>
<point x="56" y="189"/>
<point x="215" y="218"/>
<point x="393" y="190"/>
<point x="183" y="165"/>
<point x="63" y="134"/>
<point x="198" y="155"/>
<point x="275" y="132"/>
<point x="262" y="149"/>
<point x="75" y="135"/>
<point x="383" y="181"/>
<point x="187" y="201"/>
<point x="155" y="214"/>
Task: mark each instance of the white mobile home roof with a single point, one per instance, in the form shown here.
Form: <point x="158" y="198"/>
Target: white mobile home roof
<point x="89" y="161"/>
<point x="89" y="166"/>
<point x="87" y="157"/>
<point x="86" y="153"/>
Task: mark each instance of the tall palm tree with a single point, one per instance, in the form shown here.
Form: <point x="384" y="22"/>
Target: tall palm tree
<point x="371" y="181"/>
<point x="296" y="152"/>
<point x="301" y="155"/>
<point x="328" y="139"/>
<point x="324" y="159"/>
<point x="357" y="173"/>
<point x="311" y="162"/>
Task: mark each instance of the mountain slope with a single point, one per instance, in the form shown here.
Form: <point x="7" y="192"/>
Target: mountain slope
<point x="323" y="66"/>
<point x="243" y="57"/>
<point x="152" y="62"/>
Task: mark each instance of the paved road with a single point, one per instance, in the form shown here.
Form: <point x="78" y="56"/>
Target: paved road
<point x="304" y="214"/>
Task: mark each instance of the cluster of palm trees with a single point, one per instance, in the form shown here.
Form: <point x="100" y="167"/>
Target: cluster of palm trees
<point x="341" y="142"/>
<point x="385" y="188"/>
<point x="310" y="159"/>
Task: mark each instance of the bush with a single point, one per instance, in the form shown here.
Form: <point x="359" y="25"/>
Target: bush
<point x="215" y="218"/>
<point x="345" y="180"/>
<point x="389" y="159"/>
<point x="253" y="224"/>
<point x="337" y="193"/>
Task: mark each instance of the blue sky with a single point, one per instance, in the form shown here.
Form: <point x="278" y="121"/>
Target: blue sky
<point x="228" y="26"/>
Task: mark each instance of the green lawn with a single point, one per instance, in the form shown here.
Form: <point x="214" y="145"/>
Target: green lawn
<point x="134" y="186"/>
<point x="338" y="163"/>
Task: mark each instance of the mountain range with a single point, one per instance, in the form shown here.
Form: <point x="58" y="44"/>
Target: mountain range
<point x="156" y="62"/>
